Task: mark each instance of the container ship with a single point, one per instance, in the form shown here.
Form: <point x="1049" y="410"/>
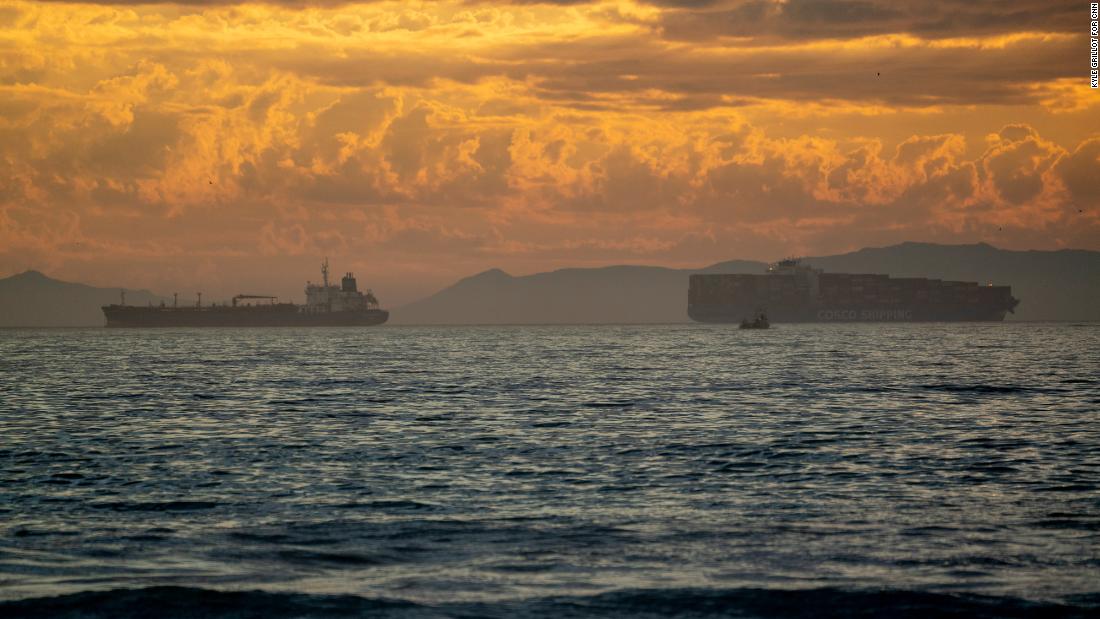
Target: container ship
<point x="793" y="292"/>
<point x="326" y="305"/>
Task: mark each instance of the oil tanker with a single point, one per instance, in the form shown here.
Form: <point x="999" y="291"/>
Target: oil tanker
<point x="326" y="306"/>
<point x="794" y="292"/>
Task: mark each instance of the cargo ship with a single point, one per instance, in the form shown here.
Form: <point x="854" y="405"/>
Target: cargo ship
<point x="326" y="306"/>
<point x="793" y="292"/>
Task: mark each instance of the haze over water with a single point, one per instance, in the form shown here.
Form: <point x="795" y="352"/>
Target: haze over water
<point x="503" y="469"/>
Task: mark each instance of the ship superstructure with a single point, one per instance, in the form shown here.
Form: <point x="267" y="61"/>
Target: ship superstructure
<point x="326" y="298"/>
<point x="326" y="305"/>
<point x="793" y="292"/>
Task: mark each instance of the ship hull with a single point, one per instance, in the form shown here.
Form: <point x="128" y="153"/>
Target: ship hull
<point x="737" y="313"/>
<point x="800" y="294"/>
<point x="281" y="315"/>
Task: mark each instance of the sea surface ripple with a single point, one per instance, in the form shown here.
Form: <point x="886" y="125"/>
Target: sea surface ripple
<point x="550" y="470"/>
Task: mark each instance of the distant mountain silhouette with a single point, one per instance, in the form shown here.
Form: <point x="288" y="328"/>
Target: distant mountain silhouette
<point x="30" y="299"/>
<point x="635" y="294"/>
<point x="1052" y="285"/>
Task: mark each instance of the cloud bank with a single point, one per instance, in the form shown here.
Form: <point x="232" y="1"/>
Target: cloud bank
<point x="195" y="141"/>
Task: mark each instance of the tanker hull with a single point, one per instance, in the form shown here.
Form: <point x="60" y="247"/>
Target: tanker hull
<point x="262" y="316"/>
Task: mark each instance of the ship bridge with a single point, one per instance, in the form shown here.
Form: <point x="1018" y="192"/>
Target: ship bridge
<point x="343" y="298"/>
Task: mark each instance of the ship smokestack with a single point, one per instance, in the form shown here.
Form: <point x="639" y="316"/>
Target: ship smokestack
<point x="348" y="284"/>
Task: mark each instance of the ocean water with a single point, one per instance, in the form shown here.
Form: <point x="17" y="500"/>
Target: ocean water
<point x="807" y="470"/>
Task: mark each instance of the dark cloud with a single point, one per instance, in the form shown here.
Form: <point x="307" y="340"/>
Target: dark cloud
<point x="766" y="20"/>
<point x="645" y="73"/>
<point x="905" y="75"/>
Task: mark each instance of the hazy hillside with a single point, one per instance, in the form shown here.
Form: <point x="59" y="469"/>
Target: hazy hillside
<point x="1052" y="285"/>
<point x="31" y="299"/>
<point x="608" y="294"/>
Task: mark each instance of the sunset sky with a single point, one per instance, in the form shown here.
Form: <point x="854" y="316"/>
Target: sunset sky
<point x="227" y="147"/>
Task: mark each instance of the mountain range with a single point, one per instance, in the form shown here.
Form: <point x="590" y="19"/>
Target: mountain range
<point x="1052" y="285"/>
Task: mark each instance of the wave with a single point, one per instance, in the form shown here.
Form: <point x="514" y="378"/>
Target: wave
<point x="180" y="602"/>
<point x="990" y="389"/>
<point x="154" y="506"/>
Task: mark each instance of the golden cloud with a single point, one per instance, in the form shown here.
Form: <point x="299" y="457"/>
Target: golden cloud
<point x="468" y="133"/>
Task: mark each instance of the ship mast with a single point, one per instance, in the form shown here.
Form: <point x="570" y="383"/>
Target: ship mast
<point x="328" y="293"/>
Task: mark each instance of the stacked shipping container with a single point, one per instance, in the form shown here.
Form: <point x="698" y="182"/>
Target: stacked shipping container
<point x="800" y="294"/>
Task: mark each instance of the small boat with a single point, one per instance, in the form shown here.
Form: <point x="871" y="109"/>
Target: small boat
<point x="760" y="322"/>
